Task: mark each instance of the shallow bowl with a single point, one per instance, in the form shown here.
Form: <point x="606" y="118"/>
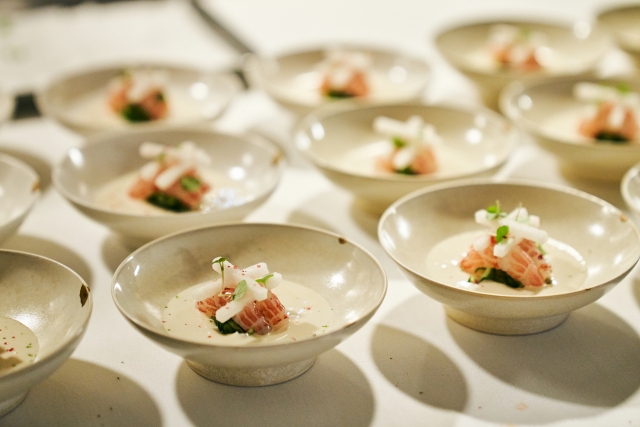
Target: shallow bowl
<point x="7" y="105"/>
<point x="344" y="146"/>
<point x="19" y="191"/>
<point x="350" y="280"/>
<point x="245" y="170"/>
<point x="624" y="22"/>
<point x="50" y="300"/>
<point x="293" y="79"/>
<point x="630" y="189"/>
<point x="573" y="49"/>
<point x="592" y="247"/>
<point x="551" y="114"/>
<point x="79" y="99"/>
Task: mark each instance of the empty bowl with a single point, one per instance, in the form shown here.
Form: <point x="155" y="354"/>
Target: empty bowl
<point x="96" y="179"/>
<point x="344" y="146"/>
<point x="565" y="49"/>
<point x="324" y="275"/>
<point x="44" y="312"/>
<point x="624" y="22"/>
<point x="592" y="246"/>
<point x="19" y="191"/>
<point x="551" y="114"/>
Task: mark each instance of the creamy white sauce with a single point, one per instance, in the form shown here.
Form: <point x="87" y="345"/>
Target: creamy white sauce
<point x="569" y="269"/>
<point x="18" y="346"/>
<point x="564" y="125"/>
<point x="225" y="192"/>
<point x="309" y="315"/>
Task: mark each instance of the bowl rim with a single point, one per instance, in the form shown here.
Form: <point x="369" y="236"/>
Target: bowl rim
<point x="236" y="224"/>
<point x="624" y="186"/>
<point x="606" y="11"/>
<point x="76" y="336"/>
<point x="321" y="114"/>
<point x="518" y="182"/>
<point x="513" y="113"/>
<point x="538" y="20"/>
<point x="35" y="188"/>
<point x="224" y="77"/>
<point x="106" y="138"/>
<point x="7" y="105"/>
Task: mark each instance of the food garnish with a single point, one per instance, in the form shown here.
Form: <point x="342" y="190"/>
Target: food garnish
<point x="516" y="47"/>
<point x="344" y="74"/>
<point x="138" y="95"/>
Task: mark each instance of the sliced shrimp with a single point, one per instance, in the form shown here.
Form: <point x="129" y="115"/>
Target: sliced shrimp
<point x="520" y="266"/>
<point x="475" y="260"/>
<point x="251" y="318"/>
<point x="273" y="311"/>
<point x="600" y="123"/>
<point x="532" y="249"/>
<point x="210" y="305"/>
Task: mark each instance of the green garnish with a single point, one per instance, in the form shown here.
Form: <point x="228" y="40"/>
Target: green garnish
<point x="220" y="261"/>
<point x="240" y="290"/>
<point x="190" y="183"/>
<point x="263" y="280"/>
<point x="167" y="202"/>
<point x="623" y="88"/>
<point x="339" y="94"/>
<point x="406" y="171"/>
<point x="494" y="211"/>
<point x="501" y="233"/>
<point x="398" y="142"/>
<point x="499" y="276"/>
<point x="228" y="327"/>
<point x="541" y="249"/>
<point x="613" y="137"/>
<point x="159" y="97"/>
<point x="135" y="113"/>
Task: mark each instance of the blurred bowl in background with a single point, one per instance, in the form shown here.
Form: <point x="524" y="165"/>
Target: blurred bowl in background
<point x="624" y="22"/>
<point x="19" y="191"/>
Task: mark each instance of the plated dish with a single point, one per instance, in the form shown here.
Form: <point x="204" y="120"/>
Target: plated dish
<point x="624" y="22"/>
<point x="328" y="288"/>
<point x="591" y="125"/>
<point x="496" y="53"/>
<point x="19" y="191"/>
<point x="44" y="312"/>
<point x="147" y="184"/>
<point x="309" y="79"/>
<point x="136" y="96"/>
<point x="382" y="153"/>
<point x="438" y="237"/>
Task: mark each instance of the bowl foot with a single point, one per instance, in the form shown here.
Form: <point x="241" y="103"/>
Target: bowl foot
<point x="501" y="326"/>
<point x="11" y="404"/>
<point x="249" y="377"/>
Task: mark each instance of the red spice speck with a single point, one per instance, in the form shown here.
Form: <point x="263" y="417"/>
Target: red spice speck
<point x="5" y="343"/>
<point x="164" y="321"/>
<point x="293" y="339"/>
<point x="11" y="349"/>
<point x="308" y="308"/>
<point x="13" y="337"/>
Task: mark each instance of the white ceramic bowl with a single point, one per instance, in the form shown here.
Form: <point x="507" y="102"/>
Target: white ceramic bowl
<point x="624" y="22"/>
<point x="344" y="146"/>
<point x="551" y="114"/>
<point x="6" y="106"/>
<point x="54" y="303"/>
<point x="245" y="170"/>
<point x="345" y="275"/>
<point x="293" y="79"/>
<point x="573" y="49"/>
<point x="79" y="100"/>
<point x="19" y="191"/>
<point x="630" y="189"/>
<point x="428" y="232"/>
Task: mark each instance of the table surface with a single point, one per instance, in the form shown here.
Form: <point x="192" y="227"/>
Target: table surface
<point x="584" y="373"/>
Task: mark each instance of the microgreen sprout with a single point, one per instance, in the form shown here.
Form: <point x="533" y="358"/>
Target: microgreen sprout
<point x="241" y="289"/>
<point x="263" y="280"/>
<point x="623" y="88"/>
<point x="501" y="233"/>
<point x="220" y="260"/>
<point x="494" y="211"/>
<point x="398" y="142"/>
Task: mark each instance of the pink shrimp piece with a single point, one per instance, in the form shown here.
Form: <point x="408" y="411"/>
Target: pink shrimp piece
<point x="599" y="123"/>
<point x="531" y="248"/>
<point x="210" y="305"/>
<point x="251" y="318"/>
<point x="479" y="260"/>
<point x="519" y="265"/>
<point x="273" y="311"/>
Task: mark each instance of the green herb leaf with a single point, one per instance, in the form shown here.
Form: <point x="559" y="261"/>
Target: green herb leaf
<point x="494" y="211"/>
<point x="241" y="289"/>
<point x="159" y="97"/>
<point x="501" y="233"/>
<point x="263" y="280"/>
<point x="228" y="327"/>
<point x="623" y="88"/>
<point x="135" y="113"/>
<point x="190" y="183"/>
<point x="338" y="94"/>
<point x="167" y="202"/>
<point x="541" y="249"/>
<point x="499" y="276"/>
<point x="406" y="171"/>
<point x="220" y="261"/>
<point x="398" y="142"/>
<point x="612" y="137"/>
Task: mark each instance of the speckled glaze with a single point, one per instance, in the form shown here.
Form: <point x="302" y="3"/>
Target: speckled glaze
<point x="52" y="301"/>
<point x="19" y="191"/>
<point x="607" y="240"/>
<point x="531" y="106"/>
<point x="624" y="22"/>
<point x="347" y="276"/>
<point x="85" y="170"/>
<point x="459" y="43"/>
<point x="481" y="137"/>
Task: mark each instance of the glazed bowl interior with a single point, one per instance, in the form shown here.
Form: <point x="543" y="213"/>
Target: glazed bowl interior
<point x="54" y="303"/>
<point x="347" y="277"/>
<point x="19" y="190"/>
<point x="345" y="146"/>
<point x="79" y="100"/>
<point x="294" y="79"/>
<point x="245" y="170"/>
<point x="624" y="22"/>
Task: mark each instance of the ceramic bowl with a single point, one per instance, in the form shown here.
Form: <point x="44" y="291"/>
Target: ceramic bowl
<point x="571" y="49"/>
<point x="19" y="191"/>
<point x="624" y="23"/>
<point x="592" y="247"/>
<point x="551" y="114"/>
<point x="340" y="274"/>
<point x="293" y="79"/>
<point x="6" y="106"/>
<point x="78" y="100"/>
<point x="344" y="147"/>
<point x="96" y="179"/>
<point x="54" y="303"/>
<point x="630" y="189"/>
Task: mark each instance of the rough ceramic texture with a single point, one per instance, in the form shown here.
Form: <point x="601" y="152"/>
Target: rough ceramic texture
<point x="533" y="106"/>
<point x="64" y="99"/>
<point x="348" y="277"/>
<point x="282" y="78"/>
<point x="479" y="138"/>
<point x="604" y="236"/>
<point x="52" y="301"/>
<point x="575" y="52"/>
<point x="85" y="170"/>
<point x="624" y="22"/>
<point x="19" y="191"/>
